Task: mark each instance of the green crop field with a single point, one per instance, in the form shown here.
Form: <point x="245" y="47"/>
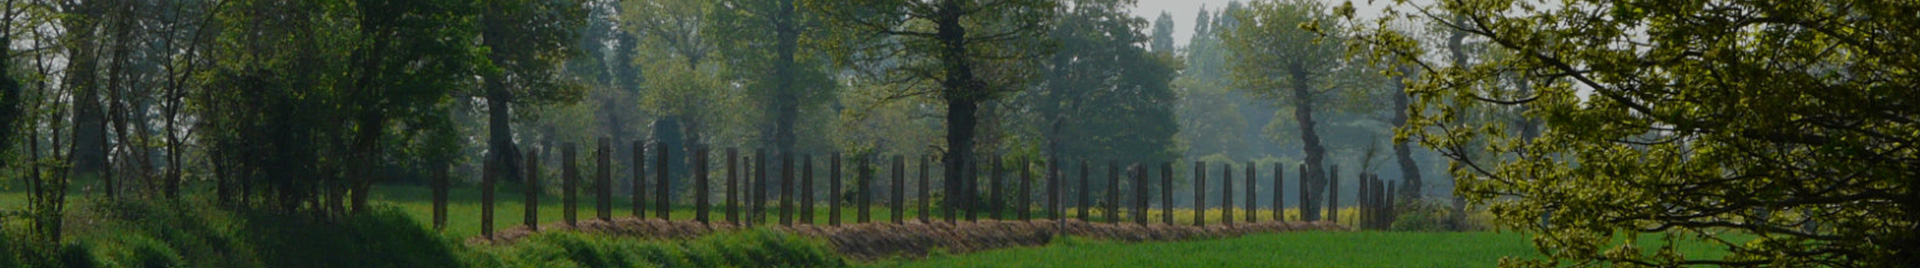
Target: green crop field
<point x="1302" y="249"/>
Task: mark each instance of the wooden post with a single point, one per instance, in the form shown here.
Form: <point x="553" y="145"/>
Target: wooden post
<point x="603" y="181"/>
<point x="757" y="188"/>
<point x="971" y="182"/>
<point x="1226" y="193"/>
<point x="833" y="191"/>
<point x="1139" y="194"/>
<point x="806" y="188"/>
<point x="746" y="189"/>
<point x="1279" y="189"/>
<point x="1199" y="193"/>
<point x="639" y="180"/>
<point x="1085" y="197"/>
<point x="1166" y="192"/>
<point x="899" y="187"/>
<point x="1333" y="194"/>
<point x="532" y="192"/>
<point x="1053" y="189"/>
<point x="486" y="197"/>
<point x="1025" y="195"/>
<point x="863" y="186"/>
<point x="1363" y="203"/>
<point x="733" y="185"/>
<point x="926" y="201"/>
<point x="786" y="188"/>
<point x="700" y="184"/>
<point x="994" y="203"/>
<point x="440" y="185"/>
<point x="569" y="183"/>
<point x="1113" y="191"/>
<point x="1252" y="194"/>
<point x="952" y="202"/>
<point x="662" y="183"/>
<point x="1305" y="188"/>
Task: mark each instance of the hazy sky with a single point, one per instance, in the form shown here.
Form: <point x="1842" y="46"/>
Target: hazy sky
<point x="1184" y="10"/>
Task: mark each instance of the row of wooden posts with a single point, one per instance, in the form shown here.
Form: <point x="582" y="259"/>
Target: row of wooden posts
<point x="1375" y="202"/>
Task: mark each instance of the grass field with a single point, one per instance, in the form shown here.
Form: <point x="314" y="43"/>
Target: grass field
<point x="1301" y="249"/>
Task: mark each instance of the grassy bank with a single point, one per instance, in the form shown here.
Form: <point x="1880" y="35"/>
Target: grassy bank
<point x="1299" y="249"/>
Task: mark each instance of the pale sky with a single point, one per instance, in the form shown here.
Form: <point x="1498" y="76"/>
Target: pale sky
<point x="1184" y="10"/>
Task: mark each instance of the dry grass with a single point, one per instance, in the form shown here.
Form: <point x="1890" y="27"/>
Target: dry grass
<point x="916" y="239"/>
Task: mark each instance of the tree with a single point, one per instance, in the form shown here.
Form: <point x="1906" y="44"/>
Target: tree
<point x="1277" y="59"/>
<point x="777" y="31"/>
<point x="1105" y="96"/>
<point x="968" y="48"/>
<point x="1791" y="122"/>
<point x="1163" y="34"/>
<point x="525" y="40"/>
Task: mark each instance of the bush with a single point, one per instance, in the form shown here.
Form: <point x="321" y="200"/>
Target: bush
<point x="1425" y="215"/>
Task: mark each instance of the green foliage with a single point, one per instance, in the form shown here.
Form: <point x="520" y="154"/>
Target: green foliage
<point x="1789" y="121"/>
<point x="754" y="248"/>
<point x="1105" y="97"/>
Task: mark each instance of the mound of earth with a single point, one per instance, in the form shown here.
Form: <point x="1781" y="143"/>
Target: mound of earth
<point x="869" y="241"/>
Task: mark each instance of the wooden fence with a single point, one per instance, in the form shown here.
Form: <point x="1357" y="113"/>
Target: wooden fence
<point x="747" y="186"/>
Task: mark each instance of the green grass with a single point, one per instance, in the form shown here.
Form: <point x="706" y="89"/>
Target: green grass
<point x="1301" y="249"/>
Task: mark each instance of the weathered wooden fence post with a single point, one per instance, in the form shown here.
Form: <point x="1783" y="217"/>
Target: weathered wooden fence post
<point x="569" y="183"/>
<point x="1252" y="194"/>
<point x="970" y="202"/>
<point x="806" y="188"/>
<point x="863" y="186"/>
<point x="1139" y="194"/>
<point x="1305" y="195"/>
<point x="1382" y="203"/>
<point x="757" y="214"/>
<point x="786" y="188"/>
<point x="1113" y="191"/>
<point x="532" y="191"/>
<point x="899" y="189"/>
<point x="993" y="190"/>
<point x="1226" y="193"/>
<point x="700" y="185"/>
<point x="440" y="185"/>
<point x="833" y="191"/>
<point x="1025" y="195"/>
<point x="952" y="202"/>
<point x="639" y="180"/>
<point x="1166" y="192"/>
<point x="663" y="184"/>
<point x="1279" y="189"/>
<point x="733" y="185"/>
<point x="1085" y="191"/>
<point x="1333" y="194"/>
<point x="926" y="188"/>
<point x="1199" y="193"/>
<point x="486" y="197"/>
<point x="1053" y="189"/>
<point x="603" y="180"/>
<point x="746" y="189"/>
<point x="1363" y="194"/>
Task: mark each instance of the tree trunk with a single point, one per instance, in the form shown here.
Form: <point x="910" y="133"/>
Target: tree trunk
<point x="89" y="145"/>
<point x="1310" y="140"/>
<point x="1409" y="171"/>
<point x="786" y="100"/>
